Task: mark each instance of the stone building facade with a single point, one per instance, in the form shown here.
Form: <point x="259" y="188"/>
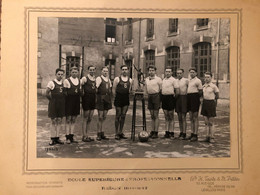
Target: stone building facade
<point x="137" y="42"/>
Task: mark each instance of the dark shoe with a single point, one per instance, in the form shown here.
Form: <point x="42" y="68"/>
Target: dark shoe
<point x="194" y="138"/>
<point x="151" y="133"/>
<point x="183" y="137"/>
<point x="191" y="136"/>
<point x="98" y="137"/>
<point x="207" y="139"/>
<point x="172" y="134"/>
<point x="72" y="139"/>
<point x="117" y="137"/>
<point x="155" y="135"/>
<point x="122" y="136"/>
<point x="58" y="141"/>
<point x="180" y="135"/>
<point x="167" y="134"/>
<point x="52" y="142"/>
<point x="103" y="136"/>
<point x="67" y="139"/>
<point x="87" y="139"/>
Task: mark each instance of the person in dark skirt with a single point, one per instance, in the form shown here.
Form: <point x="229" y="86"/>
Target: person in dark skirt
<point x="181" y="103"/>
<point x="56" y="108"/>
<point x="193" y="102"/>
<point x="72" y="103"/>
<point x="208" y="110"/>
<point x="153" y="86"/>
<point x="121" y="89"/>
<point x="103" y="85"/>
<point x="88" y="86"/>
<point x="170" y="90"/>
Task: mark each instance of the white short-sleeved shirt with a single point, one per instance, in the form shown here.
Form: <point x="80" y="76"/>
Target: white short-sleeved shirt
<point x="183" y="84"/>
<point x="209" y="91"/>
<point x="84" y="79"/>
<point x="99" y="80"/>
<point x="194" y="85"/>
<point x="168" y="85"/>
<point x="153" y="85"/>
<point x="51" y="84"/>
<point x="74" y="81"/>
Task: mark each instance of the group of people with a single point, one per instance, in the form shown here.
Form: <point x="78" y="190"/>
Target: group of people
<point x="182" y="95"/>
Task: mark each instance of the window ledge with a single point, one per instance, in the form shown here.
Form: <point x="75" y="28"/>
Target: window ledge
<point x="171" y="34"/>
<point x="149" y="38"/>
<point x="111" y="43"/>
<point x="129" y="42"/>
<point x="201" y="28"/>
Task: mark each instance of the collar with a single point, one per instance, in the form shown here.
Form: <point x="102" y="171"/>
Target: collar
<point x="59" y="82"/>
<point x="91" y="77"/>
<point x="208" y="84"/>
<point x="193" y="78"/>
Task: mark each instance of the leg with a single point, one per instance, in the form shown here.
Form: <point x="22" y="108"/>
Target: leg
<point x="104" y="118"/>
<point x="156" y="120"/>
<point x="73" y="121"/>
<point x="166" y="120"/>
<point x="84" y="123"/>
<point x="122" y="120"/>
<point x="180" y="121"/>
<point x="68" y="125"/>
<point x="152" y="117"/>
<point x="53" y="131"/>
<point x="171" y="120"/>
<point x="117" y="119"/>
<point x="211" y="127"/>
<point x="196" y="122"/>
<point x="191" y="122"/>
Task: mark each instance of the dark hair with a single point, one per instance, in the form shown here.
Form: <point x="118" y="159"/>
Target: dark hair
<point x="59" y="69"/>
<point x="152" y="66"/>
<point x="74" y="68"/>
<point x="104" y="67"/>
<point x="208" y="73"/>
<point x="193" y="68"/>
<point x="90" y="66"/>
<point x="180" y="69"/>
<point x="124" y="66"/>
<point x="168" y="67"/>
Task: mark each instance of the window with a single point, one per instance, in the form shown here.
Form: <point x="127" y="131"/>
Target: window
<point x="130" y="30"/>
<point x="111" y="67"/>
<point x="150" y="28"/>
<point x="173" y="25"/>
<point x="173" y="58"/>
<point x="149" y="59"/>
<point x="110" y="30"/>
<point x="202" y="22"/>
<point x="70" y="62"/>
<point x="202" y="58"/>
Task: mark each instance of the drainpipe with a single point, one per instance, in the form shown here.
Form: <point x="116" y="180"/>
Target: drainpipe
<point x="217" y="53"/>
<point x="139" y="43"/>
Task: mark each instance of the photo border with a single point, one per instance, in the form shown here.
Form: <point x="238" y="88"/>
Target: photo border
<point x="28" y="10"/>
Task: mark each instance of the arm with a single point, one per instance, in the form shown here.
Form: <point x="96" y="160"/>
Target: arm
<point x="48" y="93"/>
<point x="131" y="85"/>
<point x="115" y="83"/>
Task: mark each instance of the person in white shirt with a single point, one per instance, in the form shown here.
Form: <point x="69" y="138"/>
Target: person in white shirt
<point x="56" y="107"/>
<point x="153" y="86"/>
<point x="88" y="86"/>
<point x="208" y="110"/>
<point x="181" y="103"/>
<point x="170" y="90"/>
<point x="103" y="85"/>
<point x="72" y="103"/>
<point x="193" y="97"/>
<point x="121" y="90"/>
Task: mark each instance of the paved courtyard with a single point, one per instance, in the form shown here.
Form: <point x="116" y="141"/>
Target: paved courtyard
<point x="154" y="148"/>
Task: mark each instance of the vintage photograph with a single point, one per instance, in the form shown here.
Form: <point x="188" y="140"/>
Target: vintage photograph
<point x="133" y="87"/>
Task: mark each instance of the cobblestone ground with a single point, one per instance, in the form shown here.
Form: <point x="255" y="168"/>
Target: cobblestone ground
<point x="154" y="148"/>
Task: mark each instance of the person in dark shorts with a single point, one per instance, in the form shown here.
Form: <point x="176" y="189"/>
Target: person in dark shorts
<point x="170" y="90"/>
<point x="193" y="102"/>
<point x="153" y="86"/>
<point x="181" y="103"/>
<point x="104" y="102"/>
<point x="121" y="89"/>
<point x="88" y="86"/>
<point x="72" y="105"/>
<point x="56" y="108"/>
<point x="208" y="110"/>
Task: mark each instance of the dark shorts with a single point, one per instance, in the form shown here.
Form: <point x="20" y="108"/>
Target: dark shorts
<point x="193" y="100"/>
<point x="181" y="104"/>
<point x="168" y="102"/>
<point x="56" y="108"/>
<point x="208" y="108"/>
<point x="72" y="107"/>
<point x="89" y="101"/>
<point x="121" y="100"/>
<point x="104" y="102"/>
<point x="154" y="101"/>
